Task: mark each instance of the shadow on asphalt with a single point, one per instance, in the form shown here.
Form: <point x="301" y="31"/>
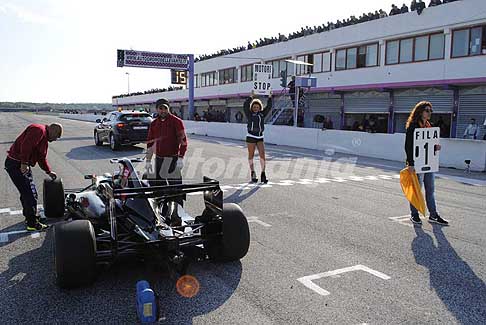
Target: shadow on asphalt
<point x="452" y="279"/>
<point x="29" y="294"/>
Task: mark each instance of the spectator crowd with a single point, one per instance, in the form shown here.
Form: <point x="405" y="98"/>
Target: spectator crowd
<point x="151" y="91"/>
<point x="416" y="5"/>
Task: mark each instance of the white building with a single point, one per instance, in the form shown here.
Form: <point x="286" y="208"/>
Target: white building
<point x="375" y="70"/>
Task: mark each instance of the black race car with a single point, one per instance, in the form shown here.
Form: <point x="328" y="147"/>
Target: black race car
<point x="122" y="128"/>
<point x="122" y="215"/>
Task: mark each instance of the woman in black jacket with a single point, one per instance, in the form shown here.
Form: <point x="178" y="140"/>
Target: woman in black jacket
<point x="255" y="116"/>
<point x="420" y="118"/>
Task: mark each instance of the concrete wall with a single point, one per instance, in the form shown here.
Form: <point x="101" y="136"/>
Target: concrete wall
<point x="376" y="145"/>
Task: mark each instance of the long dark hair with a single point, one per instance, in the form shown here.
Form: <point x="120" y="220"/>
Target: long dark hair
<point x="417" y="111"/>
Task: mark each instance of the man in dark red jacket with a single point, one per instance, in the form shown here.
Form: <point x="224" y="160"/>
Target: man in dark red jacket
<point x="30" y="148"/>
<point x="167" y="140"/>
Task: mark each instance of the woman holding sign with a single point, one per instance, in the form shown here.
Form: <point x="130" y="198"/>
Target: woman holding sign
<point x="420" y="118"/>
<point x="255" y="116"/>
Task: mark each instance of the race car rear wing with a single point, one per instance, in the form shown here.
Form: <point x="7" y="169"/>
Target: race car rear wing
<point x="213" y="195"/>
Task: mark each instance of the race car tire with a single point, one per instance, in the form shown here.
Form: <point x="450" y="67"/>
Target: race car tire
<point x="98" y="141"/>
<point x="53" y="197"/>
<point x="74" y="253"/>
<point x="234" y="242"/>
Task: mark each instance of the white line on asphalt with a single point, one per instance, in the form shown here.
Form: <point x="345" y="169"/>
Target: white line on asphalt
<point x="307" y="280"/>
<point x="403" y="220"/>
<point x="4" y="235"/>
<point x="256" y="220"/>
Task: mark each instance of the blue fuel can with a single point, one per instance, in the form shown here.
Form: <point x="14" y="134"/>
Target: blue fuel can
<point x="146" y="303"/>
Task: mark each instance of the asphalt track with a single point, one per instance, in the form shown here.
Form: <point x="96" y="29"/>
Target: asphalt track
<point x="329" y="245"/>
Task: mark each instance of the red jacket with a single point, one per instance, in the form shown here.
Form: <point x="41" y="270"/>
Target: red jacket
<point x="30" y="147"/>
<point x="169" y="137"/>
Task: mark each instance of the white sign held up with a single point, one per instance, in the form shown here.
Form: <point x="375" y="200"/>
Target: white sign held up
<point x="262" y="73"/>
<point x="425" y="151"/>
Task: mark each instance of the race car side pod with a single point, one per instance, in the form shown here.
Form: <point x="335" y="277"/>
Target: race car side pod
<point x="147" y="304"/>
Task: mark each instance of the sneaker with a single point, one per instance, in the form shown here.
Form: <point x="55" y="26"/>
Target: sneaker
<point x="416" y="220"/>
<point x="37" y="226"/>
<point x="437" y="219"/>
<point x="254" y="179"/>
<point x="263" y="178"/>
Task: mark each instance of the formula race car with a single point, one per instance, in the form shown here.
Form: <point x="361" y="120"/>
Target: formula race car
<point x="123" y="215"/>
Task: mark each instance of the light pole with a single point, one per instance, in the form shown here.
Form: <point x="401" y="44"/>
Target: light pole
<point x="128" y="80"/>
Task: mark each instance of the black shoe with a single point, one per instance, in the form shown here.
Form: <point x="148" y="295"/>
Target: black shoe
<point x="254" y="179"/>
<point x="263" y="178"/>
<point x="437" y="219"/>
<point x="37" y="226"/>
<point x="416" y="220"/>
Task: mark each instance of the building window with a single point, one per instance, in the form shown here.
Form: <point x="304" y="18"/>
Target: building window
<point x="475" y="43"/>
<point x="351" y="57"/>
<point x="208" y="79"/>
<point x="247" y="73"/>
<point x="278" y="66"/>
<point x="341" y="60"/>
<point x="326" y="62"/>
<point x="436" y="50"/>
<point x="227" y="76"/>
<point x="406" y="50"/>
<point x="322" y="62"/>
<point x="460" y="45"/>
<point x="371" y="55"/>
<point x="357" y="57"/>
<point x="392" y="52"/>
<point x="415" y="49"/>
<point x="469" y="42"/>
<point x="196" y="81"/>
<point x="317" y="62"/>
<point x="421" y="48"/>
<point x="305" y="69"/>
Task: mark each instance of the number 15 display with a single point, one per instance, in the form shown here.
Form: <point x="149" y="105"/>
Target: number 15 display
<point x="425" y="153"/>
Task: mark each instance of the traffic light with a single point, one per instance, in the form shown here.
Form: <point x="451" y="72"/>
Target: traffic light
<point x="283" y="78"/>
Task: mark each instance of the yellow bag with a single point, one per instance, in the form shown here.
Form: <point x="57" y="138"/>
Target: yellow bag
<point x="411" y="189"/>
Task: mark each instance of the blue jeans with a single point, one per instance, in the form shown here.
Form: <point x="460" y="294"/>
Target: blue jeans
<point x="428" y="180"/>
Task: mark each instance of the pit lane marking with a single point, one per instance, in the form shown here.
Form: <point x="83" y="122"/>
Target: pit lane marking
<point x="403" y="220"/>
<point x="258" y="221"/>
<point x="307" y="280"/>
<point x="4" y="235"/>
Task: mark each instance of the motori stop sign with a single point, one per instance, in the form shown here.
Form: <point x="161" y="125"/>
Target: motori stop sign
<point x="262" y="73"/>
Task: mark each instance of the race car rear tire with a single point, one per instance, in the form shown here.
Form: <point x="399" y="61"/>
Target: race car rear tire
<point x="234" y="242"/>
<point x="75" y="253"/>
<point x="53" y="197"/>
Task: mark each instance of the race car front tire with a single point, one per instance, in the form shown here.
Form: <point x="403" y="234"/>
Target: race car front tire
<point x="74" y="253"/>
<point x="234" y="242"/>
<point x="53" y="197"/>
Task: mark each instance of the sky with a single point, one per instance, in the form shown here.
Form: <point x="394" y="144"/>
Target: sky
<point x="64" y="51"/>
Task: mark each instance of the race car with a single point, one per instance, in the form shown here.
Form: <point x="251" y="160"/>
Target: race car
<point x="123" y="215"/>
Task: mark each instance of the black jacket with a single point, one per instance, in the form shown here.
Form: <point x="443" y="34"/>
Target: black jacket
<point x="409" y="143"/>
<point x="256" y="121"/>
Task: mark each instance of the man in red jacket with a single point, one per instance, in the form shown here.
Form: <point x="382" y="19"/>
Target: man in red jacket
<point x="167" y="140"/>
<point x="30" y="148"/>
